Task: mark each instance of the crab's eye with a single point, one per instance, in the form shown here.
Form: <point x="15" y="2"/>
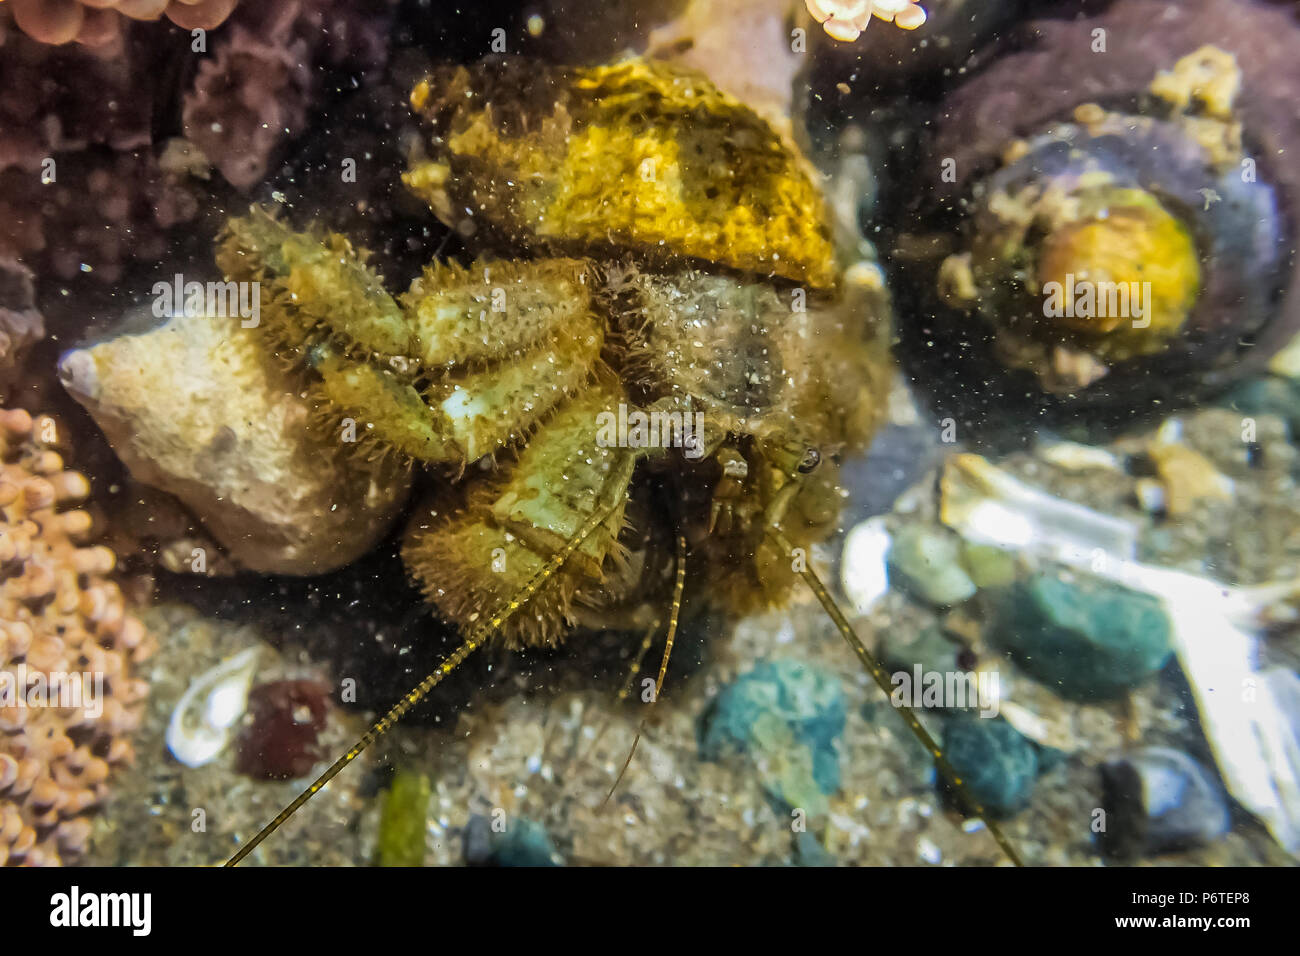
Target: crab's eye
<point x="810" y="460"/>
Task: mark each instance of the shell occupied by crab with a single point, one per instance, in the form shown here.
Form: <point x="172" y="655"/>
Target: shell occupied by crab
<point x="658" y="287"/>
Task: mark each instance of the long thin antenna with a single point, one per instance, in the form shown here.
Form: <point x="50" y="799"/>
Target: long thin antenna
<point x="477" y="636"/>
<point x="623" y="693"/>
<point x="679" y="586"/>
<point x="882" y="680"/>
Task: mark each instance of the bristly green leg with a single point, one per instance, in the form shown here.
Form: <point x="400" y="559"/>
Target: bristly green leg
<point x="319" y="285"/>
<point x="882" y="680"/>
<point x="391" y="407"/>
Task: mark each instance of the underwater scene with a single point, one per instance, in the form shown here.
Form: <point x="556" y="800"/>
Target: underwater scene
<point x="649" y="433"/>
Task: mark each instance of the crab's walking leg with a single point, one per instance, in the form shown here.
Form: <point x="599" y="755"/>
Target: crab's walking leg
<point x="477" y="637"/>
<point x="882" y="679"/>
<point x="458" y="420"/>
<point x="313" y="286"/>
<point x="471" y="361"/>
<point x="491" y="311"/>
<point x="505" y="343"/>
<point x="485" y="411"/>
<point x="511" y="522"/>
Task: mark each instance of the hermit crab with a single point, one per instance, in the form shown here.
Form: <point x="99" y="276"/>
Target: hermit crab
<point x="657" y="358"/>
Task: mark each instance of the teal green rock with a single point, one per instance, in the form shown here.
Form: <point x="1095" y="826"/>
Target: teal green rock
<point x="927" y="562"/>
<point x="808" y="851"/>
<point x="1088" y="639"/>
<point x="901" y="651"/>
<point x="525" y="844"/>
<point x="786" y="716"/>
<point x="997" y="765"/>
<point x="521" y="842"/>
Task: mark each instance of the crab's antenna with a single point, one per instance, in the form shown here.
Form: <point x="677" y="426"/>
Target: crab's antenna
<point x="882" y="679"/>
<point x="477" y="637"/>
<point x="623" y="691"/>
<point x="679" y="586"/>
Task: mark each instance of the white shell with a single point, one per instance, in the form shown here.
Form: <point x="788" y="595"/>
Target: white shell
<point x="209" y="710"/>
<point x="1075" y="457"/>
<point x="985" y="505"/>
<point x="864" y="575"/>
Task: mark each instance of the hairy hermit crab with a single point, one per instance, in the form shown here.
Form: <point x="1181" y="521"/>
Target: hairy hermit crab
<point x="656" y="360"/>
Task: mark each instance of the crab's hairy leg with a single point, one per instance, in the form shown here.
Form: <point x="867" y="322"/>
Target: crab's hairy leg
<point x="492" y="310"/>
<point x="389" y="409"/>
<point x="456" y="422"/>
<point x="882" y="680"/>
<point x="319" y="286"/>
<point x="679" y="587"/>
<point x="508" y="524"/>
<point x="484" y="411"/>
<point x="478" y="635"/>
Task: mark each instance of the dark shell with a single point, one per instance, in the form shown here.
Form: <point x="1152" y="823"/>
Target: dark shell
<point x="1239" y="237"/>
<point x="1026" y="91"/>
<point x="1050" y="70"/>
<point x="1159" y="800"/>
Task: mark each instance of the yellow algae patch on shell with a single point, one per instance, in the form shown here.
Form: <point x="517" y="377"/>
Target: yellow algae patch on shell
<point x="1141" y="264"/>
<point x="635" y="155"/>
<point x="1209" y="77"/>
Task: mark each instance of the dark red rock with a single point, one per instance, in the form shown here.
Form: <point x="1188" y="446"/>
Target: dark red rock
<point x="281" y="740"/>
